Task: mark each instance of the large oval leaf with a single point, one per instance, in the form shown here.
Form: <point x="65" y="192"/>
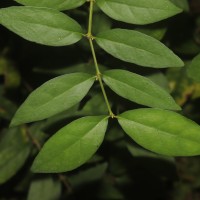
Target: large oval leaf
<point x="135" y="47"/>
<point x="71" y="146"/>
<point x="194" y="68"/>
<point x="138" y="11"/>
<point x="54" y="96"/>
<point x="161" y="131"/>
<point x="14" y="150"/>
<point x="42" y="25"/>
<point x="139" y="89"/>
<point x="55" y="4"/>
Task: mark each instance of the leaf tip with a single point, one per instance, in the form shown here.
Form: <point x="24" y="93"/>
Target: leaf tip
<point x="177" y="108"/>
<point x="36" y="167"/>
<point x="179" y="63"/>
<point x="13" y="123"/>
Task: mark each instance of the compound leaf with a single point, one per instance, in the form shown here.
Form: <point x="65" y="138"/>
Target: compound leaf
<point x="41" y="25"/>
<point x="53" y="97"/>
<point x="72" y="145"/>
<point x="161" y="131"/>
<point x="139" y="89"/>
<point x="135" y="47"/>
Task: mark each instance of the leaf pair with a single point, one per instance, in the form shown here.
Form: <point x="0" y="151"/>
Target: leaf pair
<point x="51" y="27"/>
<point x="160" y="131"/>
<point x="139" y="11"/>
<point x="65" y="91"/>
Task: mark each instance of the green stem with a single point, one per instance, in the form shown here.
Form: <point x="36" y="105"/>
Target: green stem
<point x="98" y="73"/>
<point x="90" y="17"/>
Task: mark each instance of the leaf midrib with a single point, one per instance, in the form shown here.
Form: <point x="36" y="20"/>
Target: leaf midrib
<point x="78" y="140"/>
<point x="162" y="131"/>
<point x="49" y="27"/>
<point x="127" y="45"/>
<point x="134" y="88"/>
<point x="66" y="91"/>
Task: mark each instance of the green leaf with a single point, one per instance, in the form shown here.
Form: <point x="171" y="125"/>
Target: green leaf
<point x="138" y="11"/>
<point x="14" y="150"/>
<point x="41" y="25"/>
<point x="138" y="89"/>
<point x="55" y="4"/>
<point x="72" y="145"/>
<point x="45" y="189"/>
<point x="194" y="69"/>
<point x="53" y="97"/>
<point x="135" y="47"/>
<point x="161" y="131"/>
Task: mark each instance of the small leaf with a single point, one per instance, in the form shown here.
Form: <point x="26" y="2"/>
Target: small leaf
<point x="53" y="97"/>
<point x="72" y="145"/>
<point x="55" y="4"/>
<point x="161" y="131"/>
<point x="45" y="189"/>
<point x="41" y="25"/>
<point x="138" y="89"/>
<point x="135" y="47"/>
<point x="138" y="11"/>
<point x="14" y="150"/>
<point x="194" y="69"/>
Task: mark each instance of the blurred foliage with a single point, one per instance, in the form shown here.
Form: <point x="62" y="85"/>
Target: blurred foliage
<point x="120" y="169"/>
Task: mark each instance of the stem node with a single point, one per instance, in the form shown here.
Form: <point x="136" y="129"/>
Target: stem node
<point x="90" y="38"/>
